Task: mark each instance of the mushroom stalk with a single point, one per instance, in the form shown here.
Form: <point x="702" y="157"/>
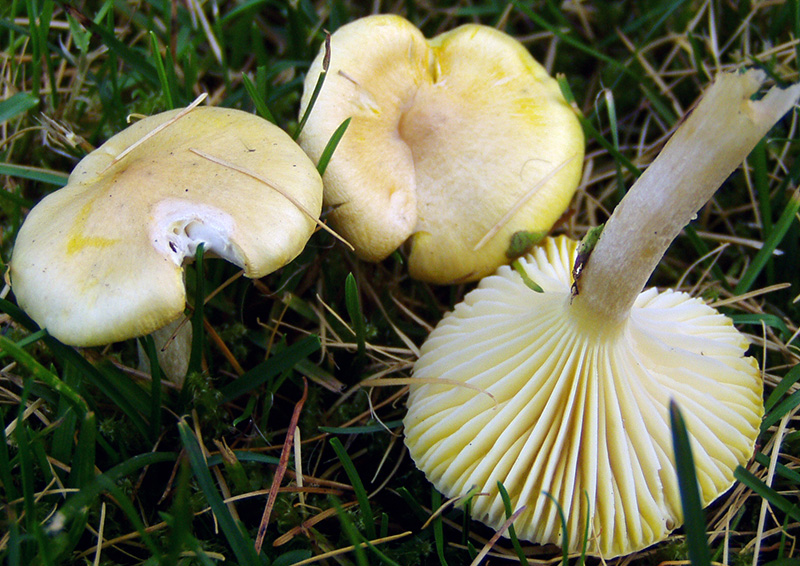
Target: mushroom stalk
<point x="710" y="143"/>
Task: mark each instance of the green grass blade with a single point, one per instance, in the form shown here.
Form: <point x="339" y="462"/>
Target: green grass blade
<point x="358" y="540"/>
<point x="317" y="88"/>
<point x="591" y="132"/>
<point x="301" y="307"/>
<point x="16" y="105"/>
<point x="611" y="109"/>
<point x="247" y="413"/>
<point x="416" y="508"/>
<point x="27" y="470"/>
<point x="512" y="532"/>
<point x="587" y="530"/>
<point x="36" y="53"/>
<point x="356" y="313"/>
<point x="307" y="113"/>
<point x="771" y="243"/>
<point x="39" y="447"/>
<point x="438" y="529"/>
<point x="774" y="498"/>
<point x="29" y="339"/>
<point x="14" y="200"/>
<point x="240" y="543"/>
<point x="769" y="320"/>
<point x="82" y="474"/>
<point x="358" y="486"/>
<point x="180" y="518"/>
<point x="330" y="147"/>
<point x="318" y="375"/>
<point x="243" y="9"/>
<point x="694" y="520"/>
<point x="13" y="554"/>
<point x="245" y="456"/>
<point x="365" y="429"/>
<point x="62" y="443"/>
<point x="384" y="532"/>
<point x="352" y="535"/>
<point x="122" y="500"/>
<point x="780" y="469"/>
<point x="529" y="283"/>
<point x="258" y="101"/>
<point x="47" y="176"/>
<point x="162" y="72"/>
<point x="780" y="410"/>
<point x="45" y="16"/>
<point x="758" y="159"/>
<point x="134" y="59"/>
<point x="565" y="533"/>
<point x="40" y="373"/>
<point x="782" y="388"/>
<point x="292" y="557"/>
<point x="466" y="518"/>
<point x="155" y="386"/>
<point x="91" y="491"/>
<point x="28" y="473"/>
<point x="8" y="485"/>
<point x="270" y="368"/>
<point x="121" y="389"/>
<point x="84" y="462"/>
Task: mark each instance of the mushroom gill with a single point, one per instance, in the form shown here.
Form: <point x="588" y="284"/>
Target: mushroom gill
<point x="579" y="408"/>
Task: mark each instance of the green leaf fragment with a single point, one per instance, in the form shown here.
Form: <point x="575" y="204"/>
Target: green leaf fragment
<point x="529" y="283"/>
<point x="522" y="241"/>
<point x="585" y="249"/>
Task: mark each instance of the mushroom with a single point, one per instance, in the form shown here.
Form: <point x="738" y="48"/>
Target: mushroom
<point x="100" y="260"/>
<point x="566" y="391"/>
<point x="462" y="144"/>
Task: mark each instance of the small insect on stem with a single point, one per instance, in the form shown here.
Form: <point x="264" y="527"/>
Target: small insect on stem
<point x="585" y="248"/>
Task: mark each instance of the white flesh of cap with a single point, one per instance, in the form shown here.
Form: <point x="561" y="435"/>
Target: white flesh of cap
<point x="187" y="225"/>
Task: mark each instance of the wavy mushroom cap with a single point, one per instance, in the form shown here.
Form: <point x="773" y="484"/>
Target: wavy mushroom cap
<point x="449" y="140"/>
<point x="101" y="259"/>
<point x="578" y="408"/>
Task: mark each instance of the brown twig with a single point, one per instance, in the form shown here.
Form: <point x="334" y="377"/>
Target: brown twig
<point x="282" y="465"/>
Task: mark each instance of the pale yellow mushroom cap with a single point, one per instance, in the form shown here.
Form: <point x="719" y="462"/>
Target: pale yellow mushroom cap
<point x="576" y="406"/>
<point x="101" y="259"/>
<point x="451" y="140"/>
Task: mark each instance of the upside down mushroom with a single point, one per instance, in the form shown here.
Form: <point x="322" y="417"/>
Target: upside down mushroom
<point x="567" y="391"/>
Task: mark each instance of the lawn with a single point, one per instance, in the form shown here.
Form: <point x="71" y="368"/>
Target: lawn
<point x="284" y="442"/>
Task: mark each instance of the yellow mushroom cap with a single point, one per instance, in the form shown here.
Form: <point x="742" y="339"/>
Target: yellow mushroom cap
<point x="101" y="259"/>
<point x="451" y="140"/>
<point x="547" y="400"/>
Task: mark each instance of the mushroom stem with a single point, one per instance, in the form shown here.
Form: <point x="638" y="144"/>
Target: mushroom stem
<point x="173" y="346"/>
<point x="709" y="144"/>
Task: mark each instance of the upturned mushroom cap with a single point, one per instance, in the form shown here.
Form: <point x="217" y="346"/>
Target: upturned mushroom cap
<point x="101" y="259"/>
<point x="451" y="140"/>
<point x="567" y="391"/>
<point x="567" y="404"/>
